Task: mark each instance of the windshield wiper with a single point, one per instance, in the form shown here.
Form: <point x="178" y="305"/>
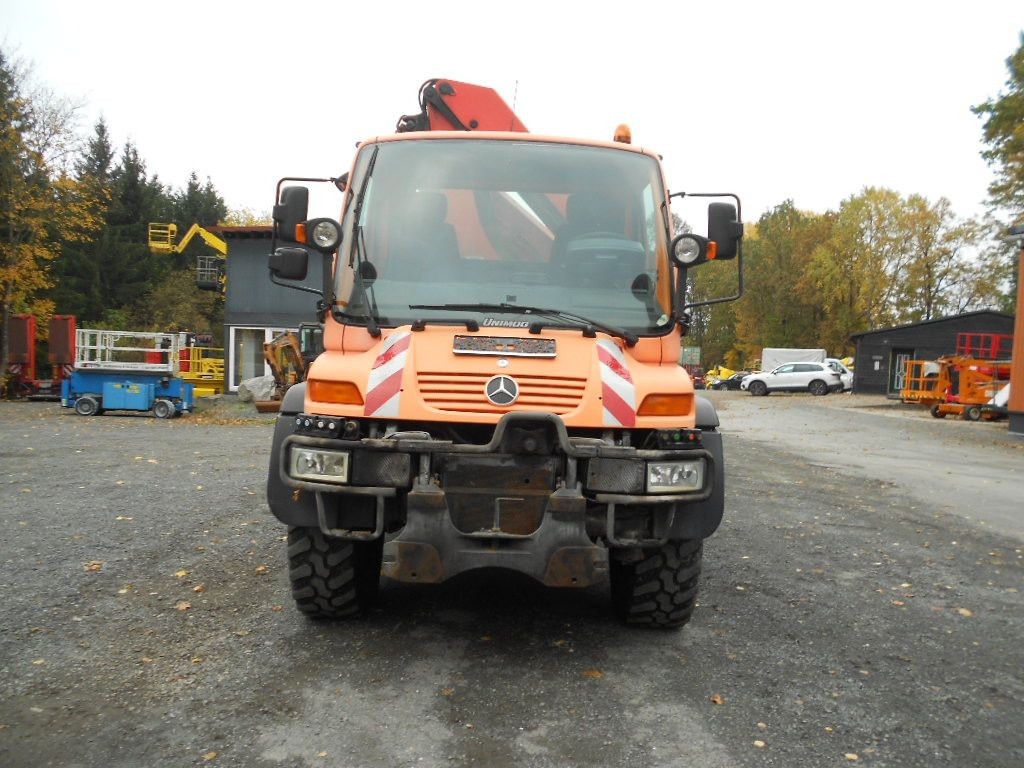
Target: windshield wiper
<point x="358" y="251"/>
<point x="591" y="326"/>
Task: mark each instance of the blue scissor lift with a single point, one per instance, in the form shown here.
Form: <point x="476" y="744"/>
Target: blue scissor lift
<point x="126" y="371"/>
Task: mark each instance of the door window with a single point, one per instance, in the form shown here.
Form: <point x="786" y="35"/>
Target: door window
<point x="898" y="372"/>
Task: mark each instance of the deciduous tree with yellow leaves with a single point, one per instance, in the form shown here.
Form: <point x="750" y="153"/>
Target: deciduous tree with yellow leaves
<point x="40" y="204"/>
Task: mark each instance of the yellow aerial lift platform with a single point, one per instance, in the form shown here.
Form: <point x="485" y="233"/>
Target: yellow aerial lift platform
<point x="210" y="274"/>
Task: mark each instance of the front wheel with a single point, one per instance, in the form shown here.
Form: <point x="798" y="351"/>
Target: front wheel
<point x="818" y="387"/>
<point x="661" y="589"/>
<point x="972" y="413"/>
<point x="758" y="388"/>
<point x="937" y="412"/>
<point x="332" y="578"/>
<point x="87" y="405"/>
<point x="163" y="409"/>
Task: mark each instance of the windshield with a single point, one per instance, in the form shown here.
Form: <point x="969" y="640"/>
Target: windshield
<point x="464" y="222"/>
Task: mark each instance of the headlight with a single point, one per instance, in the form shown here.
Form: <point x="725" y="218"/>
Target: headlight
<point x="326" y="235"/>
<point x="318" y="465"/>
<point x="675" y="476"/>
<point x="688" y="249"/>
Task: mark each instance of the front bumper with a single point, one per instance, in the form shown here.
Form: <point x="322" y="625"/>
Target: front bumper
<point x="532" y="499"/>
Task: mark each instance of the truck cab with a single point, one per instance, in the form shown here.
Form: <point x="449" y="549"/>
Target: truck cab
<point x="499" y="385"/>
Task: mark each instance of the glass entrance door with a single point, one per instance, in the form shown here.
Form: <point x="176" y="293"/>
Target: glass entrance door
<point x="898" y="369"/>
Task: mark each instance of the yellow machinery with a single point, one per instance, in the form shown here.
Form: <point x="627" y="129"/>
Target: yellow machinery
<point x="210" y="274"/>
<point x="203" y="368"/>
<point x="284" y="356"/>
<point x="716" y="374"/>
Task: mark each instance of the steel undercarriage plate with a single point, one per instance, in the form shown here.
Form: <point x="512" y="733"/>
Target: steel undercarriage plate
<point x="505" y="346"/>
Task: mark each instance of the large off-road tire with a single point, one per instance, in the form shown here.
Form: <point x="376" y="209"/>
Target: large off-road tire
<point x="758" y="388"/>
<point x="661" y="589"/>
<point x="332" y="578"/>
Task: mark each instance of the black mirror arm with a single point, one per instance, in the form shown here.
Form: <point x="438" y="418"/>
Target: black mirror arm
<point x="276" y="280"/>
<point x="708" y="302"/>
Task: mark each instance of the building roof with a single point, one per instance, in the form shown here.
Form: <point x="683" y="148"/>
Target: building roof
<point x="243" y="232"/>
<point x="988" y="312"/>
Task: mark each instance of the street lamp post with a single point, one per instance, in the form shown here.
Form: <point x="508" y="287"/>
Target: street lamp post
<point x="1015" y="408"/>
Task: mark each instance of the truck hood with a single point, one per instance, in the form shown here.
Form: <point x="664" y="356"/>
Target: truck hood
<point x="440" y="375"/>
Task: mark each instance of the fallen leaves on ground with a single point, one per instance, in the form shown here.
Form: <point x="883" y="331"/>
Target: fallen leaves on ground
<point x="447" y="692"/>
<point x="183" y="605"/>
<point x="593" y="674"/>
<point x="181" y="574"/>
<point x="199" y="588"/>
<point x="211" y="755"/>
<point x="261" y="569"/>
<point x="965" y="612"/>
<point x="716" y="698"/>
<point x="94" y="565"/>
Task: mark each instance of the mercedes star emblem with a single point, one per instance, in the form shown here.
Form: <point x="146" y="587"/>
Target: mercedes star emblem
<point x="502" y="390"/>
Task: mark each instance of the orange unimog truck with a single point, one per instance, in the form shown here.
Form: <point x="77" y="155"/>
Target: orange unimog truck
<point x="500" y="384"/>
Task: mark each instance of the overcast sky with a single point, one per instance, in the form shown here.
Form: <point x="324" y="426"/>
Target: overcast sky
<point x="809" y="101"/>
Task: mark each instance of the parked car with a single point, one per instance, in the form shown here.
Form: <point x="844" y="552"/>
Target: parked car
<point x="845" y="374"/>
<point x="816" y="378"/>
<point x="733" y="382"/>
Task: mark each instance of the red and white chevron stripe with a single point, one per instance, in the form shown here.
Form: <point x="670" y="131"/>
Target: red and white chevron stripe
<point x="384" y="388"/>
<point x="618" y="392"/>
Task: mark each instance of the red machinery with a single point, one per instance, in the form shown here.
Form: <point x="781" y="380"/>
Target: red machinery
<point x="22" y="364"/>
<point x="448" y="105"/>
<point x="985" y="346"/>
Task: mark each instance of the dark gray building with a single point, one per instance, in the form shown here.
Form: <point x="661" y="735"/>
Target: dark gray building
<point x="255" y="309"/>
<point x="881" y="354"/>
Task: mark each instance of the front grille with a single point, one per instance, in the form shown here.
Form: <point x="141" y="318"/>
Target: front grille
<point x="464" y="393"/>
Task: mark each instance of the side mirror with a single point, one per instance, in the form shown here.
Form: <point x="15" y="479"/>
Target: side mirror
<point x="289" y="263"/>
<point x="291" y="210"/>
<point x="724" y="229"/>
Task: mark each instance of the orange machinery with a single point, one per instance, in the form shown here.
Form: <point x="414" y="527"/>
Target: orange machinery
<point x="967" y="387"/>
<point x="500" y="385"/>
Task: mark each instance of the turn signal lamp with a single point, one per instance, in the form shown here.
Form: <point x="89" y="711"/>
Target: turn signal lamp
<point x="300" y="233"/>
<point x="344" y="392"/>
<point x="666" y="405"/>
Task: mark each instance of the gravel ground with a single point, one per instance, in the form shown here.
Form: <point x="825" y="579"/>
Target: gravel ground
<point x="860" y="606"/>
